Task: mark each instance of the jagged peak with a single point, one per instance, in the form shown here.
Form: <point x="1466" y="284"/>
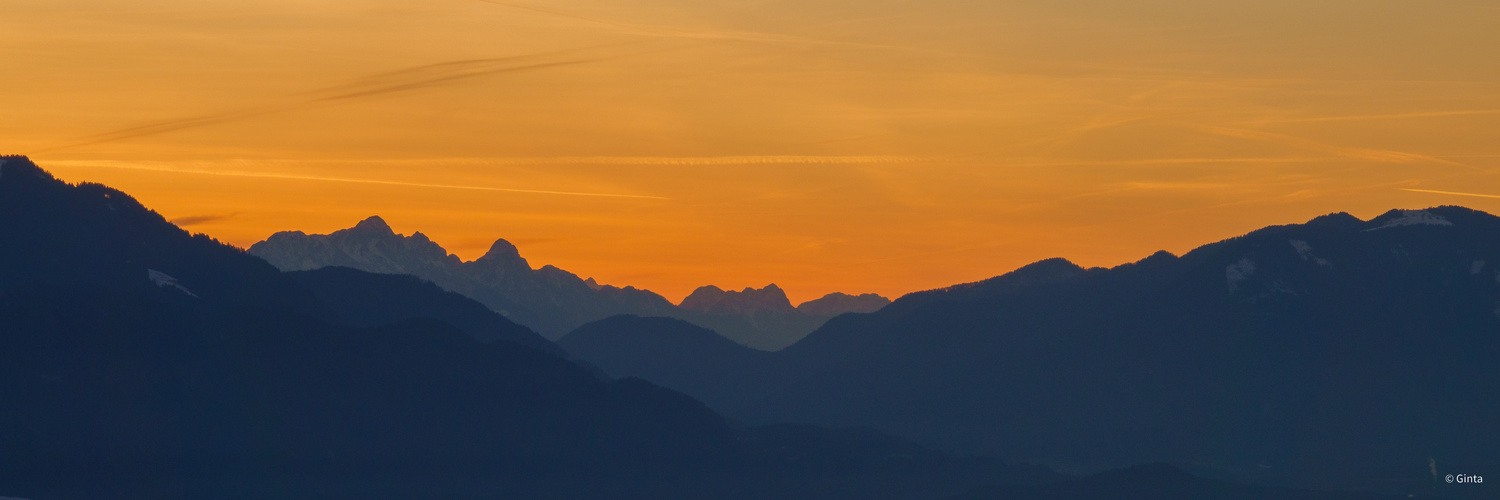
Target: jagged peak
<point x="770" y="290"/>
<point x="707" y="289"/>
<point x="501" y="249"/>
<point x="710" y="296"/>
<point x="503" y="254"/>
<point x="837" y="303"/>
<point x="374" y="224"/>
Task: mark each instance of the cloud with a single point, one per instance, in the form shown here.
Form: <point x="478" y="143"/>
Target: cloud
<point x="1378" y="155"/>
<point x="1455" y="193"/>
<point x="193" y="220"/>
<point x="402" y="80"/>
<point x="1393" y="116"/>
<point x="674" y="32"/>
<point x="350" y="180"/>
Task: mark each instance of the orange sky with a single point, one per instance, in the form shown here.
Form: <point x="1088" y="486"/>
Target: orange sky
<point x="825" y="145"/>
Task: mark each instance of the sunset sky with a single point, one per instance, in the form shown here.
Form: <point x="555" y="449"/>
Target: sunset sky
<point x="824" y="145"/>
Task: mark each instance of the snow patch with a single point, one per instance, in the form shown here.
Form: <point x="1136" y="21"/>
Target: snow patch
<point x="1305" y="252"/>
<point x="1414" y="218"/>
<point x="1238" y="272"/>
<point x="1476" y="267"/>
<point x="163" y="280"/>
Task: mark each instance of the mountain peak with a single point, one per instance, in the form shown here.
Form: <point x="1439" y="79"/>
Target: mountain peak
<point x="1341" y="220"/>
<point x="1400" y="218"/>
<point x="374" y="224"/>
<point x="714" y="299"/>
<point x="501" y="249"/>
<point x="17" y="166"/>
<point x="707" y="289"/>
<point x="837" y="303"/>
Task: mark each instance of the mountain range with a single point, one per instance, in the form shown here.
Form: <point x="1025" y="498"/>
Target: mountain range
<point x="140" y="361"/>
<point x="550" y="300"/>
<point x="1330" y="354"/>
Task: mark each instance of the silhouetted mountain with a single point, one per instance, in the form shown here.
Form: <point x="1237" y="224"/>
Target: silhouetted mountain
<point x="138" y="361"/>
<point x="665" y="349"/>
<point x="362" y="299"/>
<point x="713" y="300"/>
<point x="1339" y="354"/>
<point x="760" y="318"/>
<point x="838" y="303"/>
<point x="550" y="300"/>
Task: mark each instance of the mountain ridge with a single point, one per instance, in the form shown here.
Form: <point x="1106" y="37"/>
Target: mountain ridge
<point x="140" y="361"/>
<point x="1282" y="347"/>
<point x="551" y="300"/>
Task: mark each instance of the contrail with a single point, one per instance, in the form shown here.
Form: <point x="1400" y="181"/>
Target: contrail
<point x="616" y="24"/>
<point x="660" y="160"/>
<point x="241" y="114"/>
<point x="1455" y="193"/>
<point x="408" y="79"/>
<point x="666" y="31"/>
<point x="266" y="175"/>
<point x="1429" y="114"/>
<point x="1379" y="155"/>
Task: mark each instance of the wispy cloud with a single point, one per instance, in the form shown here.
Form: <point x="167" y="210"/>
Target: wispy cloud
<point x="1378" y="155"/>
<point x="319" y="178"/>
<point x="193" y="220"/>
<point x="403" y="80"/>
<point x="654" y="160"/>
<point x="1392" y="116"/>
<point x="1455" y="193"/>
<point x="722" y="160"/>
<point x="675" y="32"/>
<point x="1166" y="161"/>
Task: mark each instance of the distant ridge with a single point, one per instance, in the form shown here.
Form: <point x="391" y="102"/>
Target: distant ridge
<point x="550" y="300"/>
<point x="764" y="318"/>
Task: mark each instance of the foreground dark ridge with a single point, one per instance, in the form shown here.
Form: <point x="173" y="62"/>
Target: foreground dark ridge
<point x="1339" y="353"/>
<point x="137" y="361"/>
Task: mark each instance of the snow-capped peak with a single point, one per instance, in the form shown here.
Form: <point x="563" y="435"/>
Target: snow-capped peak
<point x="1414" y="218"/>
